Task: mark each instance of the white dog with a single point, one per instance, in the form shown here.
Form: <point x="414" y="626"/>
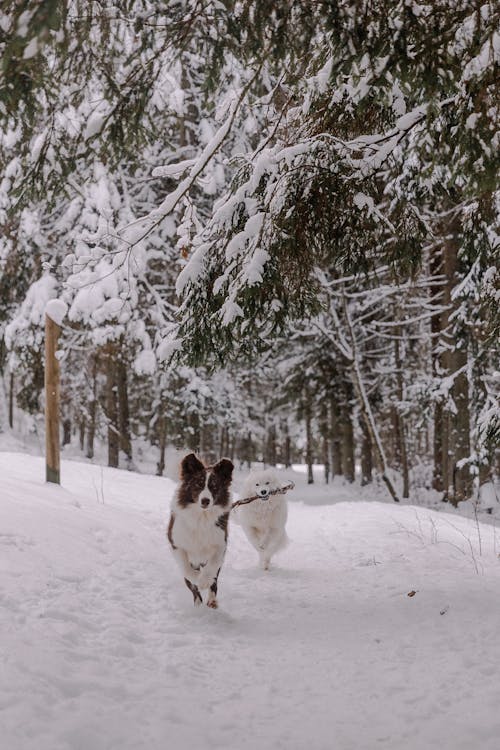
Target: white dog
<point x="263" y="520"/>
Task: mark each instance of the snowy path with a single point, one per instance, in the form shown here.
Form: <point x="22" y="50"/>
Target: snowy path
<point x="101" y="648"/>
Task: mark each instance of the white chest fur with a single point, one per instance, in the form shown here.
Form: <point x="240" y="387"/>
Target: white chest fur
<point x="262" y="513"/>
<point x="196" y="532"/>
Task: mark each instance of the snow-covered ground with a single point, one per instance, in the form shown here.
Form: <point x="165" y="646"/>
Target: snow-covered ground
<point x="101" y="648"/>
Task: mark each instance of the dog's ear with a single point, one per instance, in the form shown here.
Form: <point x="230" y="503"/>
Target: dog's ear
<point x="191" y="465"/>
<point x="224" y="469"/>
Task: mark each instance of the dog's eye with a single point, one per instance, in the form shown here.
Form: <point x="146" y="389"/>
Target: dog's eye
<point x="256" y="484"/>
<point x="267" y="482"/>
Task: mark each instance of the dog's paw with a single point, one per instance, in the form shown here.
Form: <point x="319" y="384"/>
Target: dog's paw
<point x="212" y="604"/>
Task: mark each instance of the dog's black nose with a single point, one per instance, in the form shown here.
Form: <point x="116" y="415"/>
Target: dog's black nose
<point x="205" y="502"/>
<point x="263" y="492"/>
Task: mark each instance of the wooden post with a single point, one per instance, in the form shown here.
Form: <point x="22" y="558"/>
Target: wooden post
<point x="52" y="454"/>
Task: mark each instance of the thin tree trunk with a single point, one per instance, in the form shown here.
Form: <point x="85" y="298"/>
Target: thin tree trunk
<point x="91" y="427"/>
<point x="402" y="452"/>
<point x="287" y="460"/>
<point x="309" y="446"/>
<point x="437" y="325"/>
<point x="348" y="464"/>
<point x="336" y="438"/>
<point x="462" y="479"/>
<point x="123" y="409"/>
<point x="366" y="455"/>
<point x="325" y="440"/>
<point x="92" y="408"/>
<point x="394" y="439"/>
<point x="249" y="450"/>
<point x="11" y="401"/>
<point x="437" y="476"/>
<point x="66" y="425"/>
<point x="81" y="433"/>
<point x="162" y="442"/>
<point x="52" y="401"/>
<point x="271" y="446"/>
<point x="112" y="409"/>
<point x="457" y="360"/>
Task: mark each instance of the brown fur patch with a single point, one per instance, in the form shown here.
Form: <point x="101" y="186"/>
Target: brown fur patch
<point x="222" y="523"/>
<point x="219" y="481"/>
<point x="170" y="529"/>
<point x="194" y="590"/>
<point x="190" y="488"/>
<point x="213" y="587"/>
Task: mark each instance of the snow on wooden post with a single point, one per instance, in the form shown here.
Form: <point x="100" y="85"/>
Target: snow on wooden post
<point x="54" y="313"/>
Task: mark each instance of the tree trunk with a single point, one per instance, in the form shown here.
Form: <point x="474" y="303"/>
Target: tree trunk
<point x="460" y="429"/>
<point x="91" y="428"/>
<point x="394" y="439"/>
<point x="66" y="425"/>
<point x="123" y="409"/>
<point x="402" y="452"/>
<point x="437" y="476"/>
<point x="440" y="423"/>
<point x="81" y="434"/>
<point x="366" y="455"/>
<point x="52" y="385"/>
<point x="248" y="450"/>
<point x="112" y="409"/>
<point x="336" y="438"/>
<point x="347" y="443"/>
<point x="309" y="445"/>
<point x="162" y="442"/>
<point x="287" y="459"/>
<point x="459" y="477"/>
<point x="11" y="401"/>
<point x="271" y="446"/>
<point x="325" y="440"/>
<point x="92" y="407"/>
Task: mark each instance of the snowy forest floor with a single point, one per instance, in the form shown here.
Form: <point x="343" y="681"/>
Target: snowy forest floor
<point x="101" y="648"/>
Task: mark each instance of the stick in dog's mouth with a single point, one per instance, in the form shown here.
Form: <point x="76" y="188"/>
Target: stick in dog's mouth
<point x="281" y="491"/>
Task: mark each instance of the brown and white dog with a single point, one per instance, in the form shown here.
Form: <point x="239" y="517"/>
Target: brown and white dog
<point x="198" y="525"/>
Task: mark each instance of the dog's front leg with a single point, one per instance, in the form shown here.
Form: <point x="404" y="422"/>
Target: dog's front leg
<point x="209" y="576"/>
<point x="266" y="538"/>
<point x="266" y="548"/>
<point x="254" y="537"/>
<point x="212" y="592"/>
<point x="191" y="576"/>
